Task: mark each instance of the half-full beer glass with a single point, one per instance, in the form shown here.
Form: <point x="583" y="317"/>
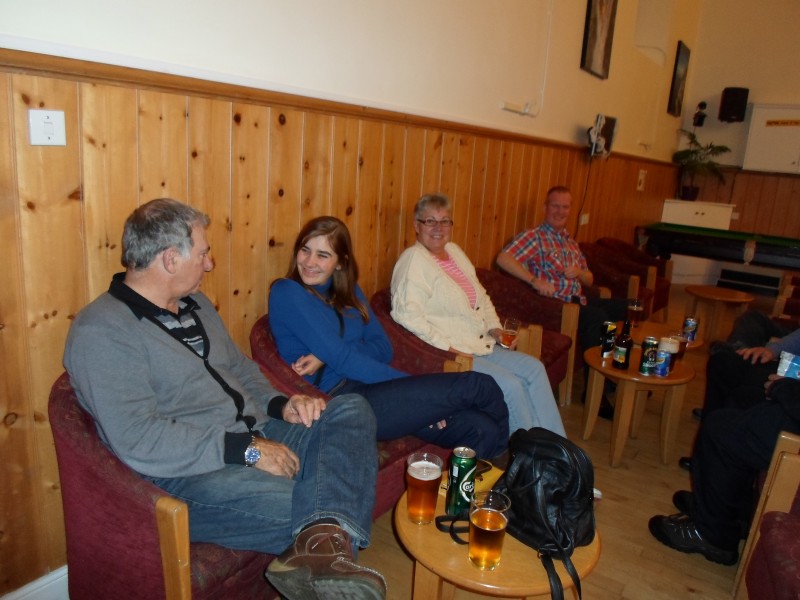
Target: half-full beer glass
<point x="488" y="517"/>
<point x="423" y="477"/>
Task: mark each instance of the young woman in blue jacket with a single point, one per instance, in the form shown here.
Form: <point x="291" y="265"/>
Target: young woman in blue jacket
<point x="325" y="329"/>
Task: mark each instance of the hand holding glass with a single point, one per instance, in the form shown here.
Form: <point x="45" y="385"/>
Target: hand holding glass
<point x="423" y="476"/>
<point x="488" y="517"/>
<point x="509" y="333"/>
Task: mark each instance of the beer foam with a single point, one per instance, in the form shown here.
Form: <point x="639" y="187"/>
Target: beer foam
<point x="424" y="470"/>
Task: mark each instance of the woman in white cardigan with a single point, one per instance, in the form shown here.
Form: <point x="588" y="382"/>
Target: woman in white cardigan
<point x="437" y="296"/>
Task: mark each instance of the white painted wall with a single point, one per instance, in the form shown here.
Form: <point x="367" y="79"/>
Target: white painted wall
<point x="452" y="59"/>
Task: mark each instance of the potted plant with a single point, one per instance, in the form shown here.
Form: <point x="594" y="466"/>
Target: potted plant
<point x="696" y="159"/>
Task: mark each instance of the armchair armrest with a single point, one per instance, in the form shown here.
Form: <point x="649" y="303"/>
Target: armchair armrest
<point x="778" y="494"/>
<point x="172" y="520"/>
<point x="529" y="340"/>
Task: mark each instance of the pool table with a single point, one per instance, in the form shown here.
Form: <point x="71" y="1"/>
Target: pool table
<point x="664" y="239"/>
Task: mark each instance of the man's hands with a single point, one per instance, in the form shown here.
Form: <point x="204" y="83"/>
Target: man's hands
<point x="276" y="459"/>
<point x="759" y="354"/>
<point x="543" y="287"/>
<point x="303" y="409"/>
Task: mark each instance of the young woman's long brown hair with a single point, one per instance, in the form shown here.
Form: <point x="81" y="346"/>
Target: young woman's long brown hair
<point x="343" y="287"/>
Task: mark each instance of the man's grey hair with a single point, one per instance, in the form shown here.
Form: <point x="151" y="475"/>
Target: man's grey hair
<point x="435" y="201"/>
<point x="153" y="227"/>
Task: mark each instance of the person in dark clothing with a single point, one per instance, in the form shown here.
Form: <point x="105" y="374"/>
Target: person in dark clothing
<point x="733" y="446"/>
<point x="738" y="368"/>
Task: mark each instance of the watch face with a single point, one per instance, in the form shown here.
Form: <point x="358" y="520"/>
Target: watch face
<point x="251" y="455"/>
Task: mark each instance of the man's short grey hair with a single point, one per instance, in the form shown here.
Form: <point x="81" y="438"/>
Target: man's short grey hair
<point x="156" y="226"/>
<point x="435" y="201"/>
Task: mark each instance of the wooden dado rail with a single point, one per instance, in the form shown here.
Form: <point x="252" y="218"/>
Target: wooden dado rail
<point x="261" y="164"/>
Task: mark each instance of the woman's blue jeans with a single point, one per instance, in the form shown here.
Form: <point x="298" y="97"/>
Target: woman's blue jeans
<point x="526" y="388"/>
<point x="247" y="509"/>
<point x="471" y="404"/>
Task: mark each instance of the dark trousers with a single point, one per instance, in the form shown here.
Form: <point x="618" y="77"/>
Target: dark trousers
<point x="592" y="316"/>
<point x="471" y="403"/>
<point x="733" y="382"/>
<point x="732" y="448"/>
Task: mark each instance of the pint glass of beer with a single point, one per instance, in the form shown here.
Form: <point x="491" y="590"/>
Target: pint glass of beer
<point x="488" y="517"/>
<point x="682" y="343"/>
<point x="423" y="476"/>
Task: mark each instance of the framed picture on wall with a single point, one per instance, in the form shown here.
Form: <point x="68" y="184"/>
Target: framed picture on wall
<point x="678" y="80"/>
<point x="598" y="34"/>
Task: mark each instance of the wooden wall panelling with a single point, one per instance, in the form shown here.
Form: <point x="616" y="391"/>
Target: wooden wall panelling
<point x="462" y="189"/>
<point x="163" y="151"/>
<point x="474" y="222"/>
<point x="283" y="221"/>
<point x="490" y="203"/>
<point x="250" y="260"/>
<point x="316" y="179"/>
<point x="432" y="158"/>
<point x="504" y="202"/>
<point x="515" y="219"/>
<point x="209" y="190"/>
<point x="786" y="218"/>
<point x="393" y="213"/>
<point x="534" y="205"/>
<point x="449" y="164"/>
<point x="745" y="197"/>
<point x="110" y="176"/>
<point x="367" y="236"/>
<point x="345" y="171"/>
<point x="53" y="261"/>
<point x="412" y="182"/>
<point x="20" y="496"/>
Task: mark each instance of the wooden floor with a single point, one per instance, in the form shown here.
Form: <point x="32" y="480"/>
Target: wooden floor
<point x="633" y="565"/>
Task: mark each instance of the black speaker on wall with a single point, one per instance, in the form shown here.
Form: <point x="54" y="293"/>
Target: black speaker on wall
<point x="733" y="104"/>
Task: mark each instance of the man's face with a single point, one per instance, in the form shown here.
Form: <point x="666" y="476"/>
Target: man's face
<point x="191" y="269"/>
<point x="556" y="210"/>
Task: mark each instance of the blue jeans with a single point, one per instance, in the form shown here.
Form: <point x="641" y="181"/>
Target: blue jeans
<point x="471" y="404"/>
<point x="247" y="509"/>
<point x="526" y="388"/>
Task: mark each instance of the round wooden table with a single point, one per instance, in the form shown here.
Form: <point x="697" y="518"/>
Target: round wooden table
<point x="441" y="565"/>
<point x="632" y="388"/>
<point x="657" y="330"/>
<point x="714" y="301"/>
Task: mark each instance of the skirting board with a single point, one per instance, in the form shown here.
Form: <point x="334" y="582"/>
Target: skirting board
<point x="52" y="586"/>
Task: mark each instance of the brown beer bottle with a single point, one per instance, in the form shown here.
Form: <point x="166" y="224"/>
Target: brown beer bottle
<point x="623" y="345"/>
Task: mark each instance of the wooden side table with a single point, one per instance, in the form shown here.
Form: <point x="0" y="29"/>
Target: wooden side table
<point x="632" y="388"/>
<point x="714" y="301"/>
<point x="441" y="565"/>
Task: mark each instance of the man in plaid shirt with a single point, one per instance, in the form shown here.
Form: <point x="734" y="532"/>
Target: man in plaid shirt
<point x="551" y="262"/>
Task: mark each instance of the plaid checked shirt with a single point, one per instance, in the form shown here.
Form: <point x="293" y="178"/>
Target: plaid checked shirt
<point x="546" y="252"/>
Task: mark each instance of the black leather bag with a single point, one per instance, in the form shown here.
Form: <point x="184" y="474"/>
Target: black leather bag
<point x="550" y="482"/>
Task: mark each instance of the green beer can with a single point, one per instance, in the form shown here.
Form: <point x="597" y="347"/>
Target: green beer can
<point x="461" y="483"/>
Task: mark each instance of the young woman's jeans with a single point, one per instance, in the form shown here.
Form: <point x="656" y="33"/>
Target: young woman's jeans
<point x="248" y="509"/>
<point x="526" y="388"/>
<point x="470" y="403"/>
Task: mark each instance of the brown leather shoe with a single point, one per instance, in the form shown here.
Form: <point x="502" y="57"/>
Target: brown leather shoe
<point x="319" y="565"/>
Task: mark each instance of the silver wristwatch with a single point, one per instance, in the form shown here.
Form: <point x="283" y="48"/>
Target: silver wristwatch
<point x="252" y="454"/>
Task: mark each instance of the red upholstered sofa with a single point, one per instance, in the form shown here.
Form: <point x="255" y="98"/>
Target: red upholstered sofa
<point x="126" y="538"/>
<point x="391" y="454"/>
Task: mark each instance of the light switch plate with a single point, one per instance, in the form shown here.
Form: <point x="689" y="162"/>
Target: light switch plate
<point x="47" y="128"/>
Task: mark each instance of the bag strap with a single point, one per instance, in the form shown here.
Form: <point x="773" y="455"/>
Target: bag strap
<point x="556" y="589"/>
<point x="447" y="523"/>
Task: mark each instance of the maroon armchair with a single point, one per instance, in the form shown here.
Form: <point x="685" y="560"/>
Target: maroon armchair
<point x="769" y="568"/>
<point x="125" y="536"/>
<point x="392" y="454"/>
<point x="656" y="276"/>
<point x="559" y="321"/>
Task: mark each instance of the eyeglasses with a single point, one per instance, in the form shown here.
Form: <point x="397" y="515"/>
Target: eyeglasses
<point x="433" y="222"/>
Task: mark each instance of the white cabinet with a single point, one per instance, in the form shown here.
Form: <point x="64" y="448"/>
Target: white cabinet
<point x="773" y="141"/>
<point x="697" y="214"/>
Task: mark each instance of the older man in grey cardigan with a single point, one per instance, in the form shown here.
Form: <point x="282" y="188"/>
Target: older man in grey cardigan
<point x="178" y="402"/>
